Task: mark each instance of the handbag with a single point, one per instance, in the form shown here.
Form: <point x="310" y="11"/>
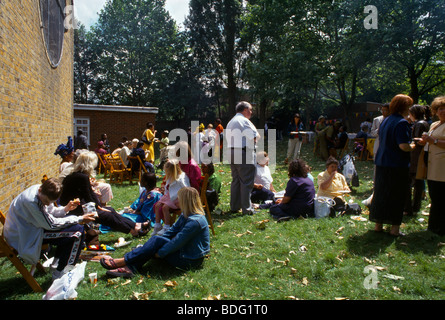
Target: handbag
<point x="422" y="168"/>
<point x="322" y="206"/>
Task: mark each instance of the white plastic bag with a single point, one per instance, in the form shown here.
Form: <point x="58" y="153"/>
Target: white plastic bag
<point x="349" y="169"/>
<point x="64" y="288"/>
<point x="322" y="206"/>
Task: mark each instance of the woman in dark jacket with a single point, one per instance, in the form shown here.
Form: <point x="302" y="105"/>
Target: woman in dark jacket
<point x="392" y="167"/>
<point x="77" y="185"/>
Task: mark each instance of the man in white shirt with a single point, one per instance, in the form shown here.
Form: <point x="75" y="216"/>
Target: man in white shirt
<point x="241" y="136"/>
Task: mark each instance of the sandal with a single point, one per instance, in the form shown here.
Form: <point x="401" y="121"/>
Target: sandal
<point x="121" y="272"/>
<point x="108" y="263"/>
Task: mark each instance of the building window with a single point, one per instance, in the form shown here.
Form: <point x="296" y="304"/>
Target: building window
<point x="52" y="15"/>
<point x="84" y="125"/>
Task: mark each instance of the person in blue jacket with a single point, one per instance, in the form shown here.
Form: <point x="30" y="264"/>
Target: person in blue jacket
<point x="184" y="245"/>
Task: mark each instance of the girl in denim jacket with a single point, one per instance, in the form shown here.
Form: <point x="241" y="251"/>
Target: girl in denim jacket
<point x="184" y="245"/>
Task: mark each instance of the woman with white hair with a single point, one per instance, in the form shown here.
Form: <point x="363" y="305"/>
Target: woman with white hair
<point x="78" y="185"/>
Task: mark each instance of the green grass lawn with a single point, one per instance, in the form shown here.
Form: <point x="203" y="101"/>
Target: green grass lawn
<point x="305" y="259"/>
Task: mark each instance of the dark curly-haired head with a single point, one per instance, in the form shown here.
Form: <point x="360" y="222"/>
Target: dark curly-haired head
<point x="298" y="168"/>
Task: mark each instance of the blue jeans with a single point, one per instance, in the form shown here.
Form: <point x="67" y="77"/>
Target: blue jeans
<point x="138" y="257"/>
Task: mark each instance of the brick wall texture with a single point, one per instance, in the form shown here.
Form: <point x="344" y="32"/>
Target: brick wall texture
<point x="116" y="125"/>
<point x="36" y="100"/>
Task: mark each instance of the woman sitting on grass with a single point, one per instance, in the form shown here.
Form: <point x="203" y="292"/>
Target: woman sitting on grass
<point x="299" y="196"/>
<point x="184" y="246"/>
<point x="332" y="184"/>
<point x="175" y="179"/>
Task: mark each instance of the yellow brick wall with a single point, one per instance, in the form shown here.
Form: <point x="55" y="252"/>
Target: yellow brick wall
<point x="36" y="100"/>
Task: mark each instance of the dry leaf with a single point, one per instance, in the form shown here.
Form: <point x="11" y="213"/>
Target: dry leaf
<point x="305" y="282"/>
<point x="292" y="297"/>
<point x="302" y="248"/>
<point x="341" y="298"/>
<point x="393" y="277"/>
<point x="212" y="297"/>
<point x="126" y="282"/>
<point x="171" y="284"/>
<point x="339" y="230"/>
<point x="293" y="270"/>
<point x="141" y="296"/>
<point x="285" y="262"/>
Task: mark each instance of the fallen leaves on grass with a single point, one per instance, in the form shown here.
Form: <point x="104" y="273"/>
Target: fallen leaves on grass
<point x="141" y="296"/>
<point x="170" y="284"/>
<point x="393" y="277"/>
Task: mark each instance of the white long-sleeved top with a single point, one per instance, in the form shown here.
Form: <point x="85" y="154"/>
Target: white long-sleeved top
<point x="27" y="220"/>
<point x="172" y="187"/>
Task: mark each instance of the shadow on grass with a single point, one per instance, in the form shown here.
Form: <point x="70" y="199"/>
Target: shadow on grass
<point x="16" y="286"/>
<point x="372" y="243"/>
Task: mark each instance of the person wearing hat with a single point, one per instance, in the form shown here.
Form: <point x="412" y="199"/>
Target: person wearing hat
<point x="100" y="148"/>
<point x="66" y="152"/>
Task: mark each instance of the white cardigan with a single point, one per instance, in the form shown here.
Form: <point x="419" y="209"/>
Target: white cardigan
<point x="175" y="186"/>
<point x="26" y="223"/>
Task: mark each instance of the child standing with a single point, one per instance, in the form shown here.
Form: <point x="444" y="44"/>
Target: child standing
<point x="175" y="180"/>
<point x="163" y="144"/>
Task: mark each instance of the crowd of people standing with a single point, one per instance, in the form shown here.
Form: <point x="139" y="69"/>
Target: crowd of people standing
<point x="409" y="150"/>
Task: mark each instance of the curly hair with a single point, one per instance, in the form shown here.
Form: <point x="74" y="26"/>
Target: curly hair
<point x="437" y="103"/>
<point x="298" y="168"/>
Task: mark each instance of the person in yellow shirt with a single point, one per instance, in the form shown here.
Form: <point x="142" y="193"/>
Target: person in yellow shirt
<point x="332" y="184"/>
<point x="148" y="138"/>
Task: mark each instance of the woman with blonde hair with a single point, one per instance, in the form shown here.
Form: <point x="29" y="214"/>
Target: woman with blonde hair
<point x="77" y="185"/>
<point x="392" y="162"/>
<point x="184" y="246"/>
<point x="175" y="179"/>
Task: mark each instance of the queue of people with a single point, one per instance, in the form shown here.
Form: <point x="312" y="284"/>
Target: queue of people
<point x="54" y="211"/>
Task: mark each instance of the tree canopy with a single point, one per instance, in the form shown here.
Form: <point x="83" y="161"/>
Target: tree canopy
<point x="284" y="55"/>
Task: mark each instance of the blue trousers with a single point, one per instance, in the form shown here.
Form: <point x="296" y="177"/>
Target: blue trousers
<point x="138" y="257"/>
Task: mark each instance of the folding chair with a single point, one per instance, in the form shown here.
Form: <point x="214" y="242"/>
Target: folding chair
<point x="7" y="251"/>
<point x="102" y="164"/>
<point x="136" y="160"/>
<point x="117" y="169"/>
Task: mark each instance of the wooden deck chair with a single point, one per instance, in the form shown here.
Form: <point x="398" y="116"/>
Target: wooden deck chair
<point x="102" y="165"/>
<point x="7" y="251"/>
<point x="204" y="202"/>
<point x="175" y="213"/>
<point x="133" y="161"/>
<point x="117" y="169"/>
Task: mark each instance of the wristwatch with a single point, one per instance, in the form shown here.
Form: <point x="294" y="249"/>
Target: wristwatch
<point x="435" y="141"/>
